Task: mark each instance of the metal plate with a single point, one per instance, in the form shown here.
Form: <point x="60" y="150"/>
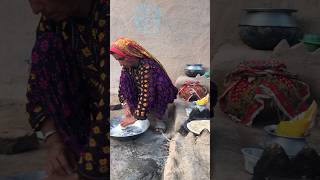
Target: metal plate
<point x="202" y="124"/>
<point x="132" y="130"/>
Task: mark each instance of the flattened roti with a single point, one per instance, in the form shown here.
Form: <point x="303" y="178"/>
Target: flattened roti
<point x="198" y="125"/>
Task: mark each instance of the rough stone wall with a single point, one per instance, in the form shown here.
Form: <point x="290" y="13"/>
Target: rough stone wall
<point x="175" y="32"/>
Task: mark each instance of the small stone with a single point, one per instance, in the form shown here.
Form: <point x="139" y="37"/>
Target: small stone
<point x="283" y="46"/>
<point x="316" y="53"/>
<point x="300" y="48"/>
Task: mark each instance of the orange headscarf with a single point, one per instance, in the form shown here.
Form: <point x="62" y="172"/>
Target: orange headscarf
<point x="127" y="47"/>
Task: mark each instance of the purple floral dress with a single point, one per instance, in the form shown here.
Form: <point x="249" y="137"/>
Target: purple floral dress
<point x="146" y="87"/>
<point x="68" y="84"/>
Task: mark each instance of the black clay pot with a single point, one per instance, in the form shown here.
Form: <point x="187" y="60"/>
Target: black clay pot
<point x="192" y="70"/>
<point x="263" y="29"/>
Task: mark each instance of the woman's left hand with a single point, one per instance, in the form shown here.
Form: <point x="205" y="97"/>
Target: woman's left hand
<point x="127" y="121"/>
<point x="60" y="177"/>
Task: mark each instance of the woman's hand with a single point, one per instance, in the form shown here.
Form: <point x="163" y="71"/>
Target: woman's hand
<point x="127" y="121"/>
<point x="127" y="111"/>
<point x="57" y="162"/>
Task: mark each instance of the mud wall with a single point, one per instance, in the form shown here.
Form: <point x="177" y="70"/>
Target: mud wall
<point x="175" y="32"/>
<point x="16" y="40"/>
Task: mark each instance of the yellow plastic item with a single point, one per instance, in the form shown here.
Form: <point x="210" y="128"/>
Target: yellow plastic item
<point x="298" y="126"/>
<point x="203" y="101"/>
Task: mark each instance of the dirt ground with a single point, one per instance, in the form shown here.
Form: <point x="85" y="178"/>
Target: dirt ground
<point x="228" y="139"/>
<point x="14" y="118"/>
<point x="142" y="158"/>
<point x="153" y="156"/>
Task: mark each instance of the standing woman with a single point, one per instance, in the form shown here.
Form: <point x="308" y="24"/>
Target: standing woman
<point x="68" y="87"/>
<point x="145" y="88"/>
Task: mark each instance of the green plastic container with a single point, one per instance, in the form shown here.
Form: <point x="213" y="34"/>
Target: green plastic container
<point x="207" y="74"/>
<point x="312" y="41"/>
<point x="312" y="38"/>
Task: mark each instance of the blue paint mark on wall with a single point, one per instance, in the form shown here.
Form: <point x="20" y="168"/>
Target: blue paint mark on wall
<point x="147" y="18"/>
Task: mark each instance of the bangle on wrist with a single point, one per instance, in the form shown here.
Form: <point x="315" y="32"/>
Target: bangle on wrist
<point x="49" y="134"/>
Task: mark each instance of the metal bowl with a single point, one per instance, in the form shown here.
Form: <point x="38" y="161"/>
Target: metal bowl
<point x="291" y="145"/>
<point x="131" y="132"/>
<point x="194" y="73"/>
<point x="266" y="38"/>
<point x="263" y="29"/>
<point x="268" y="17"/>
<point x="192" y="70"/>
<point x="194" y="67"/>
